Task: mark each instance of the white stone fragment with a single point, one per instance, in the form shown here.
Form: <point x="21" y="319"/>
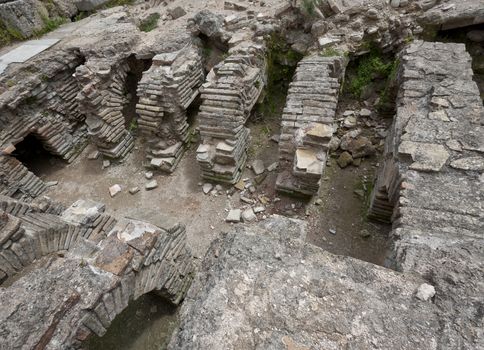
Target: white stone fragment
<point x="114" y="190"/>
<point x="425" y="292"/>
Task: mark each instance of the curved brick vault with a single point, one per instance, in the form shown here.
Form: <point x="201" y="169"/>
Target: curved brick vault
<point x="66" y="274"/>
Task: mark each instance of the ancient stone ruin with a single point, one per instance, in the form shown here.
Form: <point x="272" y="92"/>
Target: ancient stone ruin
<point x="307" y="123"/>
<point x="241" y="174"/>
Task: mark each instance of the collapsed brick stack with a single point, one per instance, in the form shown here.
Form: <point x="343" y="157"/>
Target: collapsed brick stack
<point x="307" y="124"/>
<point x="165" y="92"/>
<point x="17" y="181"/>
<point x="231" y="91"/>
<point x="102" y="100"/>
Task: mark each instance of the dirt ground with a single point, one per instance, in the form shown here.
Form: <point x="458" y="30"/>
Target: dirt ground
<point x="178" y="195"/>
<point x="335" y="225"/>
<point x="339" y="224"/>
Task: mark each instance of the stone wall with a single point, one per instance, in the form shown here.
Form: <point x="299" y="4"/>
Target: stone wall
<point x="84" y="267"/>
<point x="307" y="123"/>
<point x="454" y="14"/>
<point x="228" y="96"/>
<point x="166" y="90"/>
<point x="430" y="184"/>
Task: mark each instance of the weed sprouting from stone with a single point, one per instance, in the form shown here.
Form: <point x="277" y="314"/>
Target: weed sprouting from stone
<point x="50" y="24"/>
<point x="309" y="6"/>
<point x="149" y="23"/>
<point x="330" y="52"/>
<point x="372" y="66"/>
<point x="114" y="3"/>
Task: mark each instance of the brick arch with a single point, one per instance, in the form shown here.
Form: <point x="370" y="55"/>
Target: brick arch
<point x="78" y="292"/>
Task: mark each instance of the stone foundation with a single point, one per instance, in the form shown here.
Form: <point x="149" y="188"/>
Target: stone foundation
<point x="231" y="91"/>
<point x="166" y="91"/>
<point x="264" y="288"/>
<point x="430" y="185"/>
<point x="308" y="124"/>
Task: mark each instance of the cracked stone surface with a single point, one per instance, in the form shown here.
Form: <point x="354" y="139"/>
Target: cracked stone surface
<point x="267" y="290"/>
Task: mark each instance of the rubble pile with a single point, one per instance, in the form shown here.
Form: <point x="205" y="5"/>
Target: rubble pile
<point x="165" y="92"/>
<point x="100" y="266"/>
<point x="228" y="96"/>
<point x="308" y="123"/>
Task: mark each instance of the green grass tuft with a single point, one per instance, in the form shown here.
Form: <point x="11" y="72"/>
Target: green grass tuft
<point x="50" y="24"/>
<point x="8" y="34"/>
<point x="308" y="6"/>
<point x="114" y="3"/>
<point x="370" y="67"/>
<point x="330" y="52"/>
<point x="149" y="23"/>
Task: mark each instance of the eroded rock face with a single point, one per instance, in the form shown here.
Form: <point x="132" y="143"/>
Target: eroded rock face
<point x="69" y="275"/>
<point x="29" y="16"/>
<point x="268" y="290"/>
<point x="454" y="14"/>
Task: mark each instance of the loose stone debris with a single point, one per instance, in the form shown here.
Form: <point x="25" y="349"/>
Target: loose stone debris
<point x="234" y="215"/>
<point x="258" y="96"/>
<point x="151" y="185"/>
<point x="114" y="190"/>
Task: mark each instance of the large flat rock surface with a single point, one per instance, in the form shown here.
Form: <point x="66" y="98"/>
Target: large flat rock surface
<point x="261" y="290"/>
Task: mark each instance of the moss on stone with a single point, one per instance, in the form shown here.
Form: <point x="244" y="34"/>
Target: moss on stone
<point x="281" y="64"/>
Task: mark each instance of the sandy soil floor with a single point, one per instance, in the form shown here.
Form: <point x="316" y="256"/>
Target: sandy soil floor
<point x="178" y="195"/>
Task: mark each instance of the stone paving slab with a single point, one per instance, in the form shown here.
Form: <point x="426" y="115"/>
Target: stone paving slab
<point x="25" y="52"/>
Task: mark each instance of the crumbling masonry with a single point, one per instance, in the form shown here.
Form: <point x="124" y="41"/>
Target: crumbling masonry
<point x="228" y="96"/>
<point x="166" y="91"/>
<point x="308" y="123"/>
<point x="84" y="267"/>
<point x="47" y="109"/>
<point x="102" y="99"/>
